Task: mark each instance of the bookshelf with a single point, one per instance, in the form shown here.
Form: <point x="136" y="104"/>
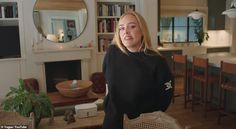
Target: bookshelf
<point x="10" y="29"/>
<point x="108" y="13"/>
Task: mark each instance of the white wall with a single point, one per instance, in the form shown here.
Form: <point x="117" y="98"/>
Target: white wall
<point x="12" y="70"/>
<point x="231" y="27"/>
<point x="149" y="12"/>
<point x="182" y="7"/>
<point x="87" y="36"/>
<point x="27" y="67"/>
<point x="218" y="38"/>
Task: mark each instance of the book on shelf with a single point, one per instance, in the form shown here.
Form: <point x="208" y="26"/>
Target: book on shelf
<point x="104" y="44"/>
<point x="9" y="10"/>
<point x="15" y="10"/>
<point x="117" y="10"/>
<point x="107" y="25"/>
<point x="2" y="12"/>
<point x="104" y="10"/>
<point x="100" y="26"/>
<point x="104" y="25"/>
<point x="108" y="15"/>
<point x="114" y="10"/>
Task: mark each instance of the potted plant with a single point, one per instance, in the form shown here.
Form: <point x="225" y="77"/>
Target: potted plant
<point x="199" y="33"/>
<point x="24" y="102"/>
<point x="201" y="36"/>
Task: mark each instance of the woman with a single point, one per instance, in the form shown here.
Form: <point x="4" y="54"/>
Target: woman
<point x="138" y="78"/>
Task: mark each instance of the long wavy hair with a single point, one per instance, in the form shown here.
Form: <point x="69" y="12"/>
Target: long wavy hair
<point x="146" y="40"/>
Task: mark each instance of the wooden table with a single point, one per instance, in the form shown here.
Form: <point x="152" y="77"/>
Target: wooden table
<point x="81" y="123"/>
<point x="58" y="100"/>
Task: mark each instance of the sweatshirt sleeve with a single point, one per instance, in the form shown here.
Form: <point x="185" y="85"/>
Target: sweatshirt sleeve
<point x="165" y="81"/>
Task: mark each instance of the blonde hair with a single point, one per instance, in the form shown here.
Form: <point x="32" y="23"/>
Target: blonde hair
<point x="146" y="40"/>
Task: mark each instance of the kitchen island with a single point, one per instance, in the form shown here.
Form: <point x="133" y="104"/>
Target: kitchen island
<point x="215" y="64"/>
<point x="168" y="51"/>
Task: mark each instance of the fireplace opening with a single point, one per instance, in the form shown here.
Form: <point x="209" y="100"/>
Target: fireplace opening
<point x="61" y="71"/>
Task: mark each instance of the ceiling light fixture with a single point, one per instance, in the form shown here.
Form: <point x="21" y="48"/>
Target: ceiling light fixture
<point x="231" y="13"/>
<point x="196" y="14"/>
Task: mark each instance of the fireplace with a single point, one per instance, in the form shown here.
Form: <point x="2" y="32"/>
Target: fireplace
<point x="76" y="58"/>
<point x="61" y="71"/>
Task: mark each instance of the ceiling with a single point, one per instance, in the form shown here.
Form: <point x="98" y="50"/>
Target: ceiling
<point x="59" y="4"/>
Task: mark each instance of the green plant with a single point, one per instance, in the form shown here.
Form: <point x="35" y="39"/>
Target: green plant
<point x="199" y="33"/>
<point x="24" y="102"/>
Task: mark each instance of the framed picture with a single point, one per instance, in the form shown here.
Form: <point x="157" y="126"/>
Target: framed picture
<point x="71" y="23"/>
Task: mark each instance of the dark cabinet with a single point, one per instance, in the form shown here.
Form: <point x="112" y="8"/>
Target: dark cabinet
<point x="216" y="21"/>
<point x="220" y="49"/>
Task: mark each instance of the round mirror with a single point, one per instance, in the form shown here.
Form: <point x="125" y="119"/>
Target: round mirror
<point x="60" y="21"/>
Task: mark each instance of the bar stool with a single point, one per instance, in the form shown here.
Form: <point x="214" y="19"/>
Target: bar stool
<point x="200" y="74"/>
<point x="227" y="73"/>
<point x="180" y="70"/>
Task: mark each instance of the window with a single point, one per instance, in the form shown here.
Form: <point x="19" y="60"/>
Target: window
<point x="9" y="30"/>
<point x="179" y="29"/>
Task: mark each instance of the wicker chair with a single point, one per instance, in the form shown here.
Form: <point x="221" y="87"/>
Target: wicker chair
<point x="32" y="83"/>
<point x="154" y="120"/>
<point x="99" y="83"/>
<point x="15" y="120"/>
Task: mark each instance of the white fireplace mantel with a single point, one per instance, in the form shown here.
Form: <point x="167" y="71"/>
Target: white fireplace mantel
<point x="41" y="56"/>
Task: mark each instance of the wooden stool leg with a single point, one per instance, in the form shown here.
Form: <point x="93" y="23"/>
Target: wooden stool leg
<point x="185" y="92"/>
<point x="173" y="98"/>
<point x="219" y="115"/>
<point x="189" y="89"/>
<point x="193" y="95"/>
<point x="205" y="100"/>
<point x="185" y="96"/>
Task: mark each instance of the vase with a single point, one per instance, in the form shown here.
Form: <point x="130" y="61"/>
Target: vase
<point x="200" y="42"/>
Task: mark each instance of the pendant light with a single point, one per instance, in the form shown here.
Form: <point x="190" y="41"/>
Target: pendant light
<point x="196" y="14"/>
<point x="231" y="13"/>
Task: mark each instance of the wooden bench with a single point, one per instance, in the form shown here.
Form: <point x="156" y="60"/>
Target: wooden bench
<point x="58" y="100"/>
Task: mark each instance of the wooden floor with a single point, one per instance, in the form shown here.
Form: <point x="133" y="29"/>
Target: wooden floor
<point x="196" y="120"/>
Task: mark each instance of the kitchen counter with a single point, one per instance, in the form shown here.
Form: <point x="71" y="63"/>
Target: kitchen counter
<point x="216" y="58"/>
<point x="179" y="47"/>
<point x="167" y="51"/>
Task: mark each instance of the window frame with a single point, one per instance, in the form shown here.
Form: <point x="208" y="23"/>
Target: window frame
<point x="188" y="26"/>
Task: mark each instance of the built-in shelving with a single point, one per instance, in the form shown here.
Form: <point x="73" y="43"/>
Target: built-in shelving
<point x="108" y="13"/>
<point x="8" y="10"/>
<point x="10" y="31"/>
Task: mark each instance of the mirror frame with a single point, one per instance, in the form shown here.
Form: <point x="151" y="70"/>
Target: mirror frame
<point x="55" y="37"/>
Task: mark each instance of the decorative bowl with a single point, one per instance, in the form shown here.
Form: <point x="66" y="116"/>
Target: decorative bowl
<point x="82" y="88"/>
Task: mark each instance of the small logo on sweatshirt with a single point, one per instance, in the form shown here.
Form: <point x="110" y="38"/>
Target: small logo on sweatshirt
<point x="168" y="85"/>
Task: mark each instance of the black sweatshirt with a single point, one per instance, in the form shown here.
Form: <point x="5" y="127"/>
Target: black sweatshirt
<point x="137" y="83"/>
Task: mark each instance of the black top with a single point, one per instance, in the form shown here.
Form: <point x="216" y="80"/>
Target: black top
<point x="137" y="82"/>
